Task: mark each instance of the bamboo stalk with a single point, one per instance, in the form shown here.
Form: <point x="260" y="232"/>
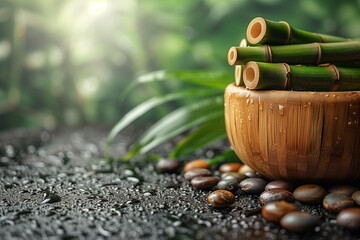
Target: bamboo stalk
<point x="281" y="76"/>
<point x="310" y="53"/>
<point x="239" y="68"/>
<point x="263" y="31"/>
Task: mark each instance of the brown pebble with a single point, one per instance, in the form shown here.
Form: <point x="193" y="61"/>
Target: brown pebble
<point x="310" y="193"/>
<point x="204" y="182"/>
<point x="230" y="167"/>
<point x="280" y="184"/>
<point x="221" y="198"/>
<point x="200" y="163"/>
<point x="356" y="197"/>
<point x="337" y="201"/>
<point x="253" y="185"/>
<point x="197" y="172"/>
<point x="299" y="221"/>
<point x="228" y="184"/>
<point x="168" y="165"/>
<point x="237" y="176"/>
<point x="274" y="211"/>
<point x="349" y="218"/>
<point x="245" y="168"/>
<point x="344" y="189"/>
<point x="276" y="194"/>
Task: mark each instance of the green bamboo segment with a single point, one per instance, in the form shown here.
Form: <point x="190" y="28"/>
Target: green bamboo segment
<point x="281" y="76"/>
<point x="239" y="75"/>
<point x="263" y="31"/>
<point x="311" y="53"/>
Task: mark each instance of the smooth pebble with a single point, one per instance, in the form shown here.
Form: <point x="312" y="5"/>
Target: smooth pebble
<point x="197" y="172"/>
<point x="281" y="184"/>
<point x="299" y="221"/>
<point x="230" y="167"/>
<point x="337" y="201"/>
<point x="310" y="193"/>
<point x="253" y="185"/>
<point x="199" y="163"/>
<point x="274" y="211"/>
<point x="349" y="218"/>
<point x="221" y="198"/>
<point x="204" y="182"/>
<point x="273" y="195"/>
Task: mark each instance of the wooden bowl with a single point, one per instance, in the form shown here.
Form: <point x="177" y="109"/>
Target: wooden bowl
<point x="293" y="135"/>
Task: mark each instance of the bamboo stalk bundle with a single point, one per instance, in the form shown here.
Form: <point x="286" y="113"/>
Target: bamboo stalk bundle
<point x="281" y="76"/>
<point x="310" y="53"/>
<point x="263" y="31"/>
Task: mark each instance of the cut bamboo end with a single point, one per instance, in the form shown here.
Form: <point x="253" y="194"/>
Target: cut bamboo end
<point x="232" y="56"/>
<point x="251" y="75"/>
<point x="239" y="75"/>
<point x="256" y="30"/>
<point x="243" y="43"/>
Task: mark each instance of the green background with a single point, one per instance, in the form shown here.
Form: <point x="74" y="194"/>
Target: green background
<point x="63" y="64"/>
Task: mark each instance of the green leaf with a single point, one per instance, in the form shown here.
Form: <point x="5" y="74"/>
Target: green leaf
<point x="146" y="106"/>
<point x="179" y="121"/>
<point x="228" y="156"/>
<point x="212" y="79"/>
<point x="207" y="133"/>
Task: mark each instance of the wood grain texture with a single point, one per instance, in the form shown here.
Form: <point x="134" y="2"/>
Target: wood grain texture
<point x="293" y="135"/>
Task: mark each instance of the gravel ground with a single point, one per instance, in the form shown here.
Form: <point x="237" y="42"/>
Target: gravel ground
<point x="54" y="185"/>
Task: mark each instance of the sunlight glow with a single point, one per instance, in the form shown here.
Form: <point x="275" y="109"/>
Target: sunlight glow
<point x="97" y="6"/>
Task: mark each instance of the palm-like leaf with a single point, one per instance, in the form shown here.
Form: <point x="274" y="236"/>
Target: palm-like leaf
<point x="206" y="108"/>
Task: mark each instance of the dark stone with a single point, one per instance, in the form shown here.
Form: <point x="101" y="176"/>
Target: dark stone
<point x="245" y="168"/>
<point x="197" y="172"/>
<point x="251" y="174"/>
<point x="274" y="211"/>
<point x="168" y="165"/>
<point x="230" y="167"/>
<point x="200" y="163"/>
<point x="299" y="221"/>
<point x="253" y="185"/>
<point x="337" y="201"/>
<point x="349" y="218"/>
<point x="228" y="184"/>
<point x="344" y="189"/>
<point x="310" y="193"/>
<point x="204" y="182"/>
<point x="221" y="198"/>
<point x="281" y="184"/>
<point x="356" y="197"/>
<point x="273" y="195"/>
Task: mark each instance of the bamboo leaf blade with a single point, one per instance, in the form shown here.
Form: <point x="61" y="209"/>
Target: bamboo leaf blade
<point x="181" y="120"/>
<point x="146" y="106"/>
<point x="207" y="133"/>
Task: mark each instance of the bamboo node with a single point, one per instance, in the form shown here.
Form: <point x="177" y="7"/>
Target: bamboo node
<point x="289" y="32"/>
<point x="268" y="53"/>
<point x="288" y="76"/>
<point x="318" y="53"/>
<point x="321" y="37"/>
<point x="336" y="74"/>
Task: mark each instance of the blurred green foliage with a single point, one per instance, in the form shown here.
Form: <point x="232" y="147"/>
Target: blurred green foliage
<point x="67" y="62"/>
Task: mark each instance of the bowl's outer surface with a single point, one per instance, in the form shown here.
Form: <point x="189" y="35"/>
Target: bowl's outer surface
<point x="293" y="135"/>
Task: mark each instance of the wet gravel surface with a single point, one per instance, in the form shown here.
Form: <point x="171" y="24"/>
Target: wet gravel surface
<point x="55" y="186"/>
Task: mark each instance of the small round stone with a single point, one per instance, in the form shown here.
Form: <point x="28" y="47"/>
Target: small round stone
<point x="299" y="221"/>
<point x="232" y="175"/>
<point x="349" y="218"/>
<point x="197" y="172"/>
<point x="310" y="193"/>
<point x="274" y="211"/>
<point x="245" y="168"/>
<point x="221" y="198"/>
<point x="200" y="163"/>
<point x="337" y="201"/>
<point x="280" y="184"/>
<point x="168" y="165"/>
<point x="356" y="197"/>
<point x="344" y="189"/>
<point x="204" y="182"/>
<point x="228" y="184"/>
<point x="230" y="167"/>
<point x="251" y="174"/>
<point x="276" y="194"/>
<point x="253" y="185"/>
